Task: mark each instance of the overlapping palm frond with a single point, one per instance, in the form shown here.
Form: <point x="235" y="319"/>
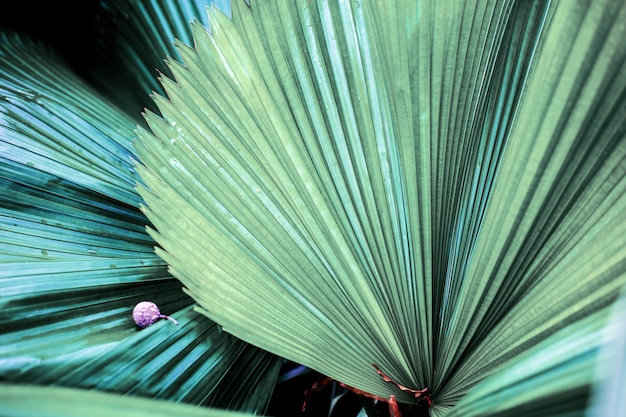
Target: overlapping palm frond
<point x="432" y="187"/>
<point x="76" y="257"/>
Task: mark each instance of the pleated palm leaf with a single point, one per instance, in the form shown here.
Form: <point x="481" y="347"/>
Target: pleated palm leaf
<point x="431" y="187"/>
<point x="76" y="257"/>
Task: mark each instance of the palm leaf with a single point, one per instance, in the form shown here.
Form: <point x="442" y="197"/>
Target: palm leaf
<point x="432" y="188"/>
<point x="76" y="257"/>
<point x="26" y="401"/>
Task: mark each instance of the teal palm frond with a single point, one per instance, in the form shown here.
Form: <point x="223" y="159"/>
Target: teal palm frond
<point x="68" y="143"/>
<point x="76" y="257"/>
<point x="432" y="188"/>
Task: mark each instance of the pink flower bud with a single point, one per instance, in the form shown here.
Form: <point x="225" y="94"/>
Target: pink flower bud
<point x="147" y="313"/>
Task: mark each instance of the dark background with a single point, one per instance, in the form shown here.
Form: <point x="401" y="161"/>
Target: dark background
<point x="66" y="26"/>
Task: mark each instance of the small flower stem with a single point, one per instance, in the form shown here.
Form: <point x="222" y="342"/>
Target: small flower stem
<point x="163" y="316"/>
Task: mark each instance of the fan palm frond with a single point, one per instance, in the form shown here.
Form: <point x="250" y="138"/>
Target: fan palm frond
<point x="433" y="188"/>
<point x="56" y="127"/>
<point x="76" y="257"/>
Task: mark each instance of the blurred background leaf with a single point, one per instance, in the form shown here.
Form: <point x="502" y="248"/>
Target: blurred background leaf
<point x="607" y="397"/>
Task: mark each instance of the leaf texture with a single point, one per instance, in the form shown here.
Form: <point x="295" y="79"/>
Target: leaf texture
<point x="434" y="188"/>
<point x="26" y="401"/>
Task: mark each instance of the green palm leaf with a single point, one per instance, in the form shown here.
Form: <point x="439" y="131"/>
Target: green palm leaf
<point x="75" y="118"/>
<point x="76" y="257"/>
<point x="25" y="401"/>
<point x="434" y="188"/>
